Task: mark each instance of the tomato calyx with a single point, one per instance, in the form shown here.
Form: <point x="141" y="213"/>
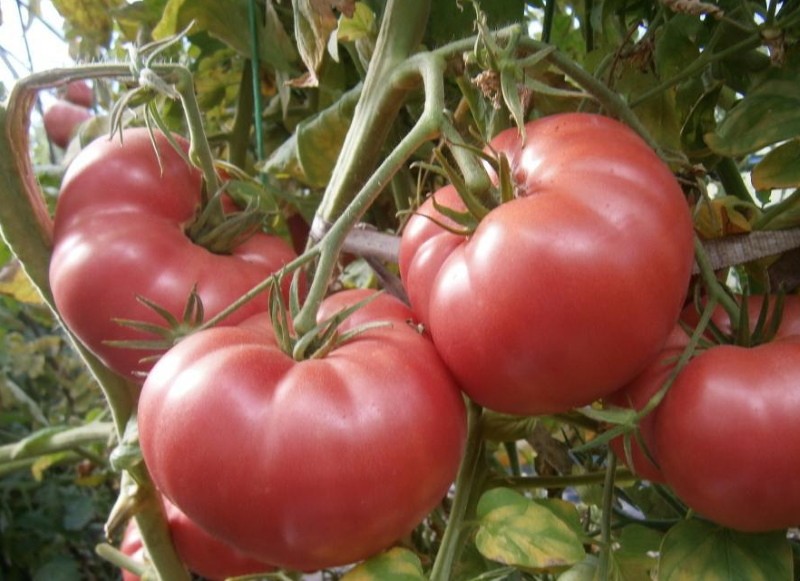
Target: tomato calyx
<point x="745" y="330"/>
<point x="221" y="232"/>
<point x="477" y="205"/>
<point x="168" y="334"/>
<point x="321" y="339"/>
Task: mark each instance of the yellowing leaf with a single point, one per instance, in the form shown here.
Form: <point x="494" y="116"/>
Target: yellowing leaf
<point x="314" y="21"/>
<point x="780" y="168"/>
<point x="396" y="564"/>
<point x="724" y="216"/>
<point x="520" y="532"/>
<point x="16" y="284"/>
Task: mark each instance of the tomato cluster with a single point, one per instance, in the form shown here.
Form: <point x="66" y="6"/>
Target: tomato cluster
<point x="322" y="456"/>
<point x="298" y="459"/>
<point x="725" y="435"/>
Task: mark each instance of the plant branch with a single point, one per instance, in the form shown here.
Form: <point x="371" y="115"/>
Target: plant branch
<point x="70" y="439"/>
<point x="467" y="482"/>
<point x="431" y="69"/>
<point x="621" y="475"/>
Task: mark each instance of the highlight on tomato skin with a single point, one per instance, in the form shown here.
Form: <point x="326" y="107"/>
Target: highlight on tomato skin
<point x="375" y="422"/>
<point x="533" y="311"/>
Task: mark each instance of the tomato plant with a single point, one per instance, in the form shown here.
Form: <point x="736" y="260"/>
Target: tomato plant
<point x="533" y="311"/>
<point x="203" y="554"/>
<point x="61" y="121"/>
<point x="313" y="450"/>
<point x="120" y="234"/>
<point x="587" y="150"/>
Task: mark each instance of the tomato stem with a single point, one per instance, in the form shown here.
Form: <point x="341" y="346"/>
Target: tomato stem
<point x="468" y="483"/>
<point x="622" y="475"/>
<point x="120" y="559"/>
<point x="714" y="287"/>
<point x="431" y="69"/>
<point x="604" y="565"/>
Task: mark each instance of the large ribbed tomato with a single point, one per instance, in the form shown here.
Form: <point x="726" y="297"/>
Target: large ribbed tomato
<point x="120" y="233"/>
<point x="564" y="293"/>
<point x="312" y="463"/>
<point x="726" y="434"/>
<point x="638" y="392"/>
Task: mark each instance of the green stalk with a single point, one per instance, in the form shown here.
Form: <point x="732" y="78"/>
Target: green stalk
<point x="467" y="484"/>
<point x="714" y="287"/>
<point x="199" y="150"/>
<point x="402" y="27"/>
<point x="696" y="67"/>
<point x="604" y="565"/>
<point x="431" y="69"/>
<point x="608" y="99"/>
<point x="242" y="122"/>
<point x="255" y="69"/>
<point x="541" y="482"/>
<point x="70" y="439"/>
<point x="731" y="179"/>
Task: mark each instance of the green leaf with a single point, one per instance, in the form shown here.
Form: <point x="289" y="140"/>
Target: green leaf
<point x="768" y="114"/>
<point x="396" y="564"/>
<point x="311" y="152"/>
<point x="697" y="549"/>
<point x="534" y="535"/>
<point x="676" y="44"/>
<point x="509" y="77"/>
<point x="452" y="19"/>
<point x="229" y="22"/>
<point x="78" y="513"/>
<point x="60" y="568"/>
<point x="89" y="19"/>
<point x="780" y="168"/>
<point x="637" y="553"/>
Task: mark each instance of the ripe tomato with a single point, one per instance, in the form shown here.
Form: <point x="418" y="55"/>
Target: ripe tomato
<point x="565" y="293"/>
<point x="119" y="234"/>
<point x="637" y="394"/>
<point x="61" y="121"/>
<point x="80" y="93"/>
<point x="727" y="437"/>
<point x="201" y="552"/>
<point x="305" y="464"/>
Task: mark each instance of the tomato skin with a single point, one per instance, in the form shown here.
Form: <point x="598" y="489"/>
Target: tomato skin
<point x="638" y="392"/>
<point x="727" y="436"/>
<point x="202" y="553"/>
<point x="565" y="293"/>
<point x="306" y="464"/>
<point x="79" y="93"/>
<point x="636" y="395"/>
<point x="61" y="121"/>
<point x="119" y="232"/>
